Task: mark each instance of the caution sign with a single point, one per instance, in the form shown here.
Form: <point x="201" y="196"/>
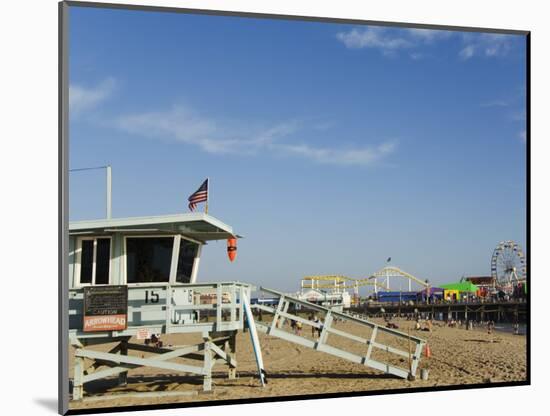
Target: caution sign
<point x="105" y="308"/>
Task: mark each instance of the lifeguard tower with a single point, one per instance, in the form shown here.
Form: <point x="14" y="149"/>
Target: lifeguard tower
<point x="136" y="277"/>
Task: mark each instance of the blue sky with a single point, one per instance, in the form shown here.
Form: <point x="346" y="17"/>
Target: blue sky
<point x="330" y="147"/>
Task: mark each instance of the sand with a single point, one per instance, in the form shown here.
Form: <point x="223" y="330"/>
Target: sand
<point x="458" y="357"/>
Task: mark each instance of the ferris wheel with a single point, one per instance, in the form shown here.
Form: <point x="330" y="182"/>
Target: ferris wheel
<point x="508" y="264"/>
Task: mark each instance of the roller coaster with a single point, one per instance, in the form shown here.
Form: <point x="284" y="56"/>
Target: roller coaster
<point x="379" y="280"/>
<point x="338" y="283"/>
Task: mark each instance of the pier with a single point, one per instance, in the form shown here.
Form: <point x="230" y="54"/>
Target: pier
<point x="501" y="311"/>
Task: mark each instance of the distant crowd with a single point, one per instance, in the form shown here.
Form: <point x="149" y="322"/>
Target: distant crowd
<point x="428" y="324"/>
<point x="469" y="298"/>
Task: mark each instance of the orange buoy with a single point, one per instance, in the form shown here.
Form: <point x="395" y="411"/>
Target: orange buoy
<point x="232" y="248"/>
<point x="428" y="351"/>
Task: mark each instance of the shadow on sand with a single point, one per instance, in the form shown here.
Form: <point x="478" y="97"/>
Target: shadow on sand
<point x="162" y="382"/>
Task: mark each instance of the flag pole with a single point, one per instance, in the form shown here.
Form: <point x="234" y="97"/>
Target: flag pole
<point x="207" y="195"/>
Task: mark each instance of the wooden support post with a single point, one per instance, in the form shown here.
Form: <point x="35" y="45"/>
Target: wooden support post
<point x="123" y="377"/>
<point x="207" y="382"/>
<point x="219" y="305"/>
<point x="274" y="323"/>
<point x="230" y="348"/>
<point x="168" y="317"/>
<point x="326" y="327"/>
<point x="409" y="351"/>
<point x="371" y="343"/>
<point x="416" y="358"/>
<point x="233" y="304"/>
<point x="282" y="320"/>
<point x="78" y="383"/>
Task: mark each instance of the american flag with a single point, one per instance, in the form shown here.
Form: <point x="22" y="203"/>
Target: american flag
<point x="200" y="195"/>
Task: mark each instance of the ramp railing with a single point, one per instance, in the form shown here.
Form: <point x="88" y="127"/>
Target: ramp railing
<point x="373" y="345"/>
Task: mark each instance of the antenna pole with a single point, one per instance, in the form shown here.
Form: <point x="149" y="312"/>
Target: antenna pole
<point x="108" y="187"/>
<point x="109" y="192"/>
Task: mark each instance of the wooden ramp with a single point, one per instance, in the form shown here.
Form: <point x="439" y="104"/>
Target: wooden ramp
<point x="388" y="350"/>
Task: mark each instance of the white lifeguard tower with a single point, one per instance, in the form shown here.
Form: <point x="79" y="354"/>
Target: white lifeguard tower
<point x="136" y="277"/>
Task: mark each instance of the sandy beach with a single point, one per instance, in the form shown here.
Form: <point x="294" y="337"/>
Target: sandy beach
<point x="458" y="357"/>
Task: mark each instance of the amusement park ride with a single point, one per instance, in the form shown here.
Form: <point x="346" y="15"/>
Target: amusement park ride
<point x="381" y="279"/>
<point x="337" y="283"/>
<point x="508" y="270"/>
<point x="394" y="272"/>
<point x="508" y="266"/>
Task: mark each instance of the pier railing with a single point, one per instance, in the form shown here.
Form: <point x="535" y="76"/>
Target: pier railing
<point x="478" y="301"/>
<point x="507" y="311"/>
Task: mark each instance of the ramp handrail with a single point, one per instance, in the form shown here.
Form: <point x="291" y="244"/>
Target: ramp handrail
<point x="281" y="313"/>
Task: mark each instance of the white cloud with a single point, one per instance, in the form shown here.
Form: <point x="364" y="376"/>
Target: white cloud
<point x="497" y="103"/>
<point x="182" y="124"/>
<point x="391" y="40"/>
<point x="523" y="136"/>
<point x="363" y="156"/>
<point x="430" y="35"/>
<point x="83" y="98"/>
<point x="416" y="55"/>
<point x="373" y="37"/>
<point x="486" y="44"/>
<point x="512" y="106"/>
<point x="467" y="52"/>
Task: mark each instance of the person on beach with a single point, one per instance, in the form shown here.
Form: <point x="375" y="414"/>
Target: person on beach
<point x="315" y="320"/>
<point x="320" y="327"/>
<point x="293" y="325"/>
<point x="490" y="327"/>
<point x="298" y="328"/>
